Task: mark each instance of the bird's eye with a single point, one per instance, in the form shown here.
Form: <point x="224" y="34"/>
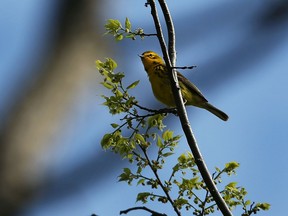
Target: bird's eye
<point x="151" y="55"/>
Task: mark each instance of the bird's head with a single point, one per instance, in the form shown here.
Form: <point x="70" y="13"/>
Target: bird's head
<point x="150" y="58"/>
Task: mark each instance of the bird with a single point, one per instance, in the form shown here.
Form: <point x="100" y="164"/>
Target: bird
<point x="158" y="75"/>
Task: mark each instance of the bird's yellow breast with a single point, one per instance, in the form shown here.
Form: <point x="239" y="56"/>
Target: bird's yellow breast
<point x="161" y="86"/>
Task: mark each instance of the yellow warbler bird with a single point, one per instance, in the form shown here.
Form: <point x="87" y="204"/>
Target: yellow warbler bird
<point x="160" y="82"/>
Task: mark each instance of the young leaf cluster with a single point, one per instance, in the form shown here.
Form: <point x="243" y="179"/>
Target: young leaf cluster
<point x="115" y="28"/>
<point x="120" y="101"/>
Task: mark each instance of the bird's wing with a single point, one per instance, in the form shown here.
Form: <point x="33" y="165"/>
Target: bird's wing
<point x="190" y="86"/>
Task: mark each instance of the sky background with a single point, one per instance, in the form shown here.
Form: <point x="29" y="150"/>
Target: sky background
<point x="241" y="53"/>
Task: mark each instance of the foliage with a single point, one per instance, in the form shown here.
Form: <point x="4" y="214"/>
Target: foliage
<point x="115" y="28"/>
<point x="182" y="185"/>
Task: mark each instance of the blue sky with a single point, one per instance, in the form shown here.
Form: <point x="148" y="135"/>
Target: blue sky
<point x="241" y="68"/>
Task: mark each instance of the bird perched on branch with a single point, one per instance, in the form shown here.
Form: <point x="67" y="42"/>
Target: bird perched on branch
<point x="160" y="82"/>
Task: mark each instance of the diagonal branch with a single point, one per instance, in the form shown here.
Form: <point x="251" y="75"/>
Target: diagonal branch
<point x="170" y="63"/>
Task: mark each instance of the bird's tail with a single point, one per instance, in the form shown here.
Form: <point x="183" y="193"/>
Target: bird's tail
<point x="220" y="114"/>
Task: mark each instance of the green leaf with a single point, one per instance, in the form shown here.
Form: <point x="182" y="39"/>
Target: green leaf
<point x="118" y="77"/>
<point x="111" y="63"/>
<point x="118" y="93"/>
<point x="167" y="135"/>
<point x="263" y="206"/>
<point x="231" y="185"/>
<point x="167" y="154"/>
<point x="217" y="169"/>
<point x="127" y="25"/>
<point x="176" y="168"/>
<point x="133" y="85"/>
<point x="156" y="120"/>
<point x="159" y="142"/>
<point x="126" y="175"/>
<point x="182" y="158"/>
<point x="248" y="202"/>
<point x="119" y="37"/>
<point x="189" y="184"/>
<point x="140" y="138"/>
<point x="99" y="64"/>
<point x="107" y="85"/>
<point x="127" y="170"/>
<point x="180" y="202"/>
<point x="143" y="197"/>
<point x="139" y="169"/>
<point x="141" y="181"/>
<point x="231" y="166"/>
<point x="114" y="125"/>
<point x="113" y="25"/>
<point x="105" y="142"/>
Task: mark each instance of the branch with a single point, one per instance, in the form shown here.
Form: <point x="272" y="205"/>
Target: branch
<point x="159" y="111"/>
<point x="171" y="32"/>
<point x="170" y="64"/>
<point x="160" y="182"/>
<point x="185" y="67"/>
<point x="154" y="213"/>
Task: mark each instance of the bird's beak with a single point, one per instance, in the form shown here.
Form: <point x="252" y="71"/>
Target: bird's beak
<point x="141" y="56"/>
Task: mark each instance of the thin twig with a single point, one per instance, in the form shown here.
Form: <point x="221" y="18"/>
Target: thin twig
<point x="185" y="67"/>
<point x="142" y="208"/>
<point x="160" y="111"/>
<point x="147" y="35"/>
<point x="204" y="202"/>
<point x="160" y="182"/>
<point x="139" y="34"/>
